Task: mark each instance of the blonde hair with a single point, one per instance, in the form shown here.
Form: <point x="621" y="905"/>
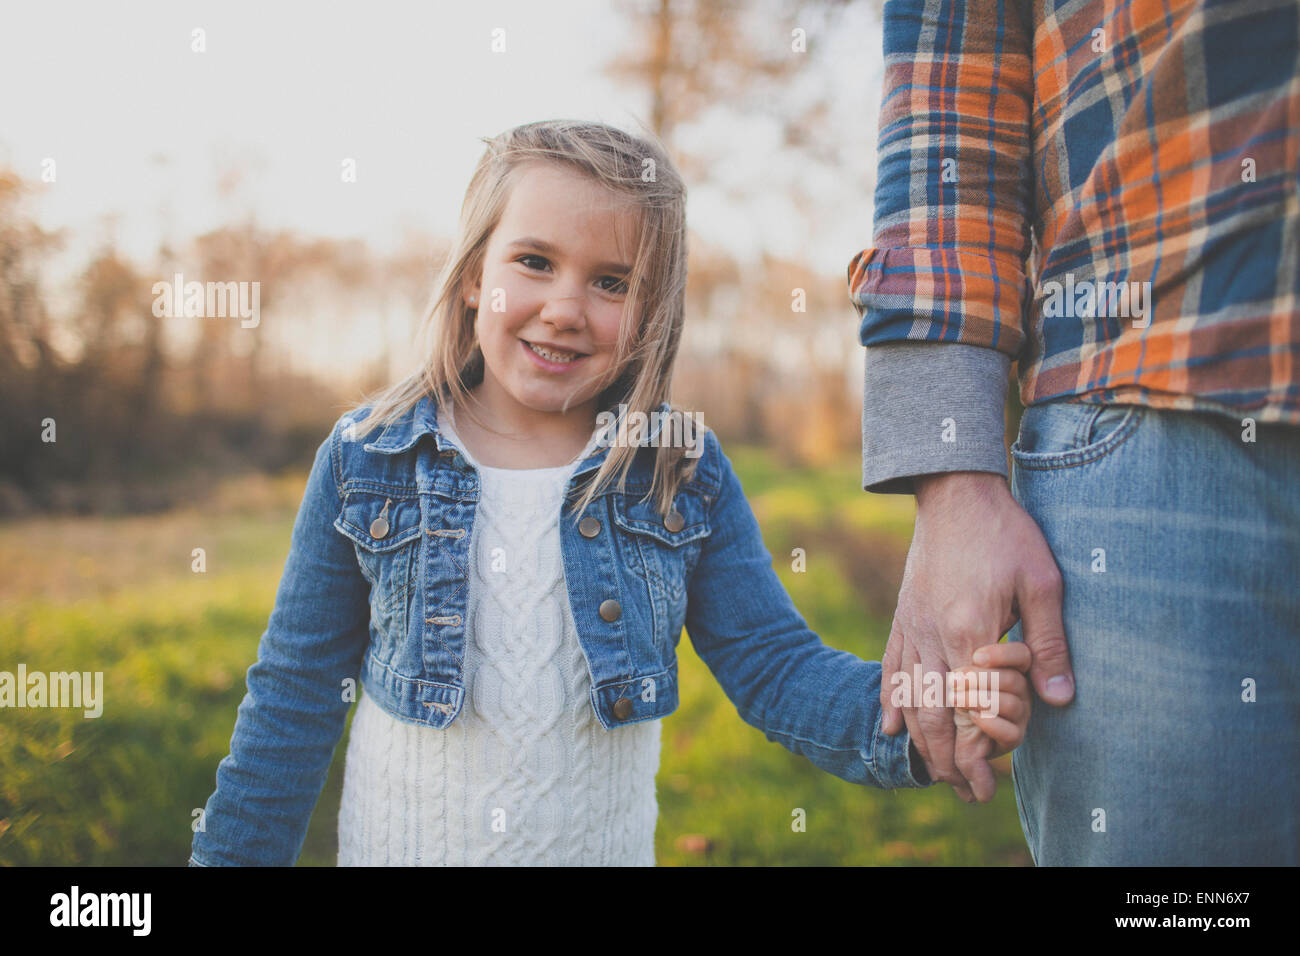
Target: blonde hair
<point x="633" y="167"/>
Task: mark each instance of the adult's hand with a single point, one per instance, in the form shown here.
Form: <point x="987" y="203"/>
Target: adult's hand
<point x="978" y="563"/>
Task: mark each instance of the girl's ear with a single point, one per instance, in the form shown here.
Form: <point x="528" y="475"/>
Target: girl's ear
<point x="469" y="292"/>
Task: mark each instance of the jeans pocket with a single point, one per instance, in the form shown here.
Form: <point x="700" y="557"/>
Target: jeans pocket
<point x="1066" y="433"/>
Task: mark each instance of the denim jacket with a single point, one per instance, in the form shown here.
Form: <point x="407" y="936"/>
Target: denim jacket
<point x="376" y="585"/>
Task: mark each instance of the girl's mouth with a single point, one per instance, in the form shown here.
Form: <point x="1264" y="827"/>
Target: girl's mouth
<point x="550" y="359"/>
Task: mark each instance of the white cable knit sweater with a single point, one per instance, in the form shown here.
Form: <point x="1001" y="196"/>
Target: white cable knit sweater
<point x="525" y="775"/>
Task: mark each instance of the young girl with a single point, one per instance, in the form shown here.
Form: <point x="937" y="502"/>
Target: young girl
<point x="512" y="610"/>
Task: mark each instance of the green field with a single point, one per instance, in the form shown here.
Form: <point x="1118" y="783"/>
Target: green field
<point x="118" y="595"/>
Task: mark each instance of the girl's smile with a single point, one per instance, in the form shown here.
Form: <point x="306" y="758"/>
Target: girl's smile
<point x="552" y="359"/>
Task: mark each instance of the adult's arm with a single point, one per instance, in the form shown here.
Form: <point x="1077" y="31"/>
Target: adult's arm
<point x="941" y="296"/>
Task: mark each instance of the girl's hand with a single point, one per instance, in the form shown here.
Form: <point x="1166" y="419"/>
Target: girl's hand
<point x="990" y="719"/>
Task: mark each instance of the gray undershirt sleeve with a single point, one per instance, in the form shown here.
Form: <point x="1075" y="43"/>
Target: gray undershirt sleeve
<point x="930" y="407"/>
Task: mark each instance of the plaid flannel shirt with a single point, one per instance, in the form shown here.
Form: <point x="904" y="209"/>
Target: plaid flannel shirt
<point x="1106" y="191"/>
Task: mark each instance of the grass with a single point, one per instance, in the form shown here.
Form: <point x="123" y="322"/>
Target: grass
<point x="119" y="596"/>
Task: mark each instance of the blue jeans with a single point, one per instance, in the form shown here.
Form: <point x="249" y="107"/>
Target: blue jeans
<point x="1179" y="545"/>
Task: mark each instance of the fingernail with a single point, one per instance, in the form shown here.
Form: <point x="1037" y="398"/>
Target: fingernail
<point x="981" y="657"/>
<point x="1060" y="687"/>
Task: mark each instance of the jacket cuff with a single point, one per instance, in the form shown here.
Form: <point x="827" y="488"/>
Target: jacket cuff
<point x="931" y="407"/>
<point x="891" y="759"/>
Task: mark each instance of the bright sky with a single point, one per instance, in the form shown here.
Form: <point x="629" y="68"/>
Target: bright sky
<point x="140" y="127"/>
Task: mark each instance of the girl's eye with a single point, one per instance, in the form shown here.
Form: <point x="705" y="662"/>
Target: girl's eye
<point x="619" y="287"/>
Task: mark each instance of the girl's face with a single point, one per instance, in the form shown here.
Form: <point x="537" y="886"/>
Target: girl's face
<point x="550" y="299"/>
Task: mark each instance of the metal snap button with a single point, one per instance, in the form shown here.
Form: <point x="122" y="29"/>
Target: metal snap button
<point x="589" y="527"/>
<point x="379" y="527"/>
<point x="674" y="522"/>
<point x="610" y="609"/>
<point x="622" y="708"/>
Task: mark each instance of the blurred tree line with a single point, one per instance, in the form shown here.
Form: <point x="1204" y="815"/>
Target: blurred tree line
<point x="110" y="408"/>
<point x="145" y="411"/>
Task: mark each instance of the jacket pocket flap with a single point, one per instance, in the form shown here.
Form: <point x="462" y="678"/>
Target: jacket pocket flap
<point x="379" y="522"/>
<point x="687" y="521"/>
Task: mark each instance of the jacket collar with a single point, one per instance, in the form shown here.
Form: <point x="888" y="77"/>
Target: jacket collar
<point x="402" y="434"/>
<point x="422" y="419"/>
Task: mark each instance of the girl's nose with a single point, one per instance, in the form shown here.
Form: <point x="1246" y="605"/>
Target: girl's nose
<point x="564" y="311"/>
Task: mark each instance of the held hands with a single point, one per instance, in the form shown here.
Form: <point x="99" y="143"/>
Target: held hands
<point x="977" y="564"/>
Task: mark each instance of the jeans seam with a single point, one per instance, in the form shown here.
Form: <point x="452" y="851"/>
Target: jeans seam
<point x="1032" y="837"/>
